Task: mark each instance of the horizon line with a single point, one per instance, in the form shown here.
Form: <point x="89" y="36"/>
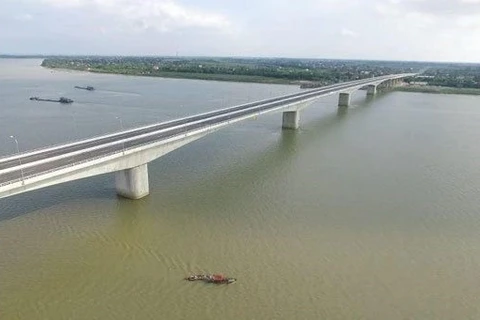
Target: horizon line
<point x="13" y="55"/>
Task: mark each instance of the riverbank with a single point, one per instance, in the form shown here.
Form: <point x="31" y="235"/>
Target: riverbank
<point x="141" y="72"/>
<point x="194" y="76"/>
<point x="303" y="73"/>
<point x="185" y="75"/>
<point x="437" y="90"/>
<point x="258" y="70"/>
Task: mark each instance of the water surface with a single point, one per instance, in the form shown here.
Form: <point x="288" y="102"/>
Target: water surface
<point x="366" y="214"/>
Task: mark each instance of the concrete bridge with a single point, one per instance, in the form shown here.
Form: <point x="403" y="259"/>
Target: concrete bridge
<point x="128" y="152"/>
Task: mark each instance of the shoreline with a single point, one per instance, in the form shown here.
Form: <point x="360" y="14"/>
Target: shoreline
<point x="190" y="76"/>
<point x="437" y="90"/>
<point x="266" y="80"/>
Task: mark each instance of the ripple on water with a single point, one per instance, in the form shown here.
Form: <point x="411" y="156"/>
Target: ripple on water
<point x="370" y="214"/>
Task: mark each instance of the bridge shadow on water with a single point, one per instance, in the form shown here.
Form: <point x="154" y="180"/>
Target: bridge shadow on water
<point x="37" y="200"/>
<point x="257" y="167"/>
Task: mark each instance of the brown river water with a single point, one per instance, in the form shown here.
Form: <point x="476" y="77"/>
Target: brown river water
<point x="371" y="213"/>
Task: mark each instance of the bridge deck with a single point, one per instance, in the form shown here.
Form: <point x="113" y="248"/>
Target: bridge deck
<point x="46" y="160"/>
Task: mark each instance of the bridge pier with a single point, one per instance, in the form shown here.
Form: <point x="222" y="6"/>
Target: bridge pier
<point x="291" y="120"/>
<point x="132" y="183"/>
<point x="371" y="90"/>
<point x="344" y="99"/>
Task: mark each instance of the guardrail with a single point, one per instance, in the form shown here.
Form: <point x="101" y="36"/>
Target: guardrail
<point x="225" y="110"/>
<point x="257" y="107"/>
<point x="104" y="155"/>
<point x="100" y="136"/>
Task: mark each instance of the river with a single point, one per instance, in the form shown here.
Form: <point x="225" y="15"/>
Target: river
<point x="371" y="213"/>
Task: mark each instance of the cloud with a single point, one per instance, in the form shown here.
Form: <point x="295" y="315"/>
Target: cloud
<point x="64" y="3"/>
<point x="446" y="15"/>
<point x="433" y="7"/>
<point x="367" y="29"/>
<point x="162" y="15"/>
<point x="23" y="17"/>
<point x="469" y="22"/>
<point x="348" y="33"/>
<point x="444" y="29"/>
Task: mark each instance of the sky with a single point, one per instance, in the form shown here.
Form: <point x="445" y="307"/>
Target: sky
<point x="422" y="30"/>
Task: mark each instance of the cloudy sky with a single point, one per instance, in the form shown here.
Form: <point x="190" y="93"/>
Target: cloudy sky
<point x="435" y="30"/>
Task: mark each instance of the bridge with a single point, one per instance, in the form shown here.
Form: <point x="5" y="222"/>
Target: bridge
<point x="128" y="152"/>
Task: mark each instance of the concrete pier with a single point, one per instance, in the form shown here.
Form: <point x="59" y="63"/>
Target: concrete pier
<point x="344" y="99"/>
<point x="291" y="120"/>
<point x="132" y="183"/>
<point x="371" y="90"/>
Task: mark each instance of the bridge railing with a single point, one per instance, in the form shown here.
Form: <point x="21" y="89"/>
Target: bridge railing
<point x="72" y="164"/>
<point x="115" y="133"/>
<point x="57" y="168"/>
<point x="278" y="100"/>
<point x="76" y="163"/>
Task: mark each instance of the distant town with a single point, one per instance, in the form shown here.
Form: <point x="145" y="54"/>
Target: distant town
<point x="435" y="77"/>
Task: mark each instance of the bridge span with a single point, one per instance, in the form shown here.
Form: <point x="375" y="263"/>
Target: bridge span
<point x="128" y="152"/>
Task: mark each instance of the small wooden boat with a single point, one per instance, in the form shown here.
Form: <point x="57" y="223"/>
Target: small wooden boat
<point x="211" y="278"/>
<point x="89" y="88"/>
